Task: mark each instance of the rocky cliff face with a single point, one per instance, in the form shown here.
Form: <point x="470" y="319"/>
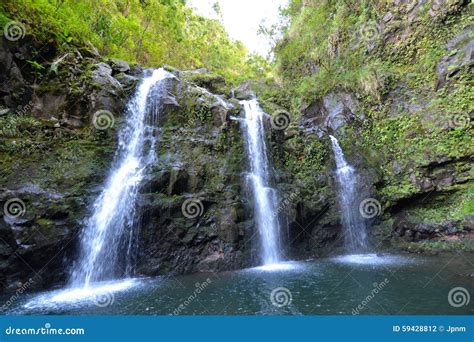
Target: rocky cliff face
<point x="411" y="145"/>
<point x="410" y="140"/>
<point x="55" y="153"/>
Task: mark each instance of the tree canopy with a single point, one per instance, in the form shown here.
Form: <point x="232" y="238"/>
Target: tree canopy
<point x="148" y="32"/>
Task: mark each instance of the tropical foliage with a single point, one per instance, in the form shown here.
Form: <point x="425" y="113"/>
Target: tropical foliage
<point x="148" y="32"/>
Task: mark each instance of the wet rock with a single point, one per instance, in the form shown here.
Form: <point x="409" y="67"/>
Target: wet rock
<point x="51" y="105"/>
<point x="119" y="66"/>
<point x="442" y="8"/>
<point x="460" y="54"/>
<point x="205" y="79"/>
<point x="102" y="76"/>
<point x="128" y="82"/>
<point x="211" y="263"/>
<point x="243" y="92"/>
<point x="336" y="110"/>
<point x="12" y="83"/>
<point x="387" y="17"/>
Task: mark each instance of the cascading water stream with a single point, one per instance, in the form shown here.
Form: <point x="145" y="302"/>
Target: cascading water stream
<point x="108" y="239"/>
<point x="352" y="221"/>
<point x="265" y="197"/>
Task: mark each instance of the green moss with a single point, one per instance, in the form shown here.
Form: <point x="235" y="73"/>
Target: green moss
<point x="151" y="33"/>
<point x="43" y="222"/>
<point x="438" y="245"/>
<point x="438" y="209"/>
<point x="215" y="83"/>
<point x="52" y="157"/>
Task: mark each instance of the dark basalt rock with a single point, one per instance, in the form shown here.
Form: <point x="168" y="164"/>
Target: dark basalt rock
<point x="460" y="54"/>
<point x="335" y="111"/>
<point x="200" y="156"/>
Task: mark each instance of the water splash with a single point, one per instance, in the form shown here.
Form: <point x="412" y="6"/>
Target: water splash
<point x="107" y="242"/>
<point x="265" y="197"/>
<point x="353" y="223"/>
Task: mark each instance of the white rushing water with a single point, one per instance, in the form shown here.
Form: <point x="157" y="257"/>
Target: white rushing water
<point x="265" y="197"/>
<point x="352" y="221"/>
<point x="107" y="241"/>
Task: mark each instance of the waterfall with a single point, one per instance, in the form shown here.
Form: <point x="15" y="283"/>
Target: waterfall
<point x="107" y="242"/>
<point x="265" y="197"/>
<point x="353" y="223"/>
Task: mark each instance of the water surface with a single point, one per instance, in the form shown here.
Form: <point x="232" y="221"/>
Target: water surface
<point x="406" y="284"/>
